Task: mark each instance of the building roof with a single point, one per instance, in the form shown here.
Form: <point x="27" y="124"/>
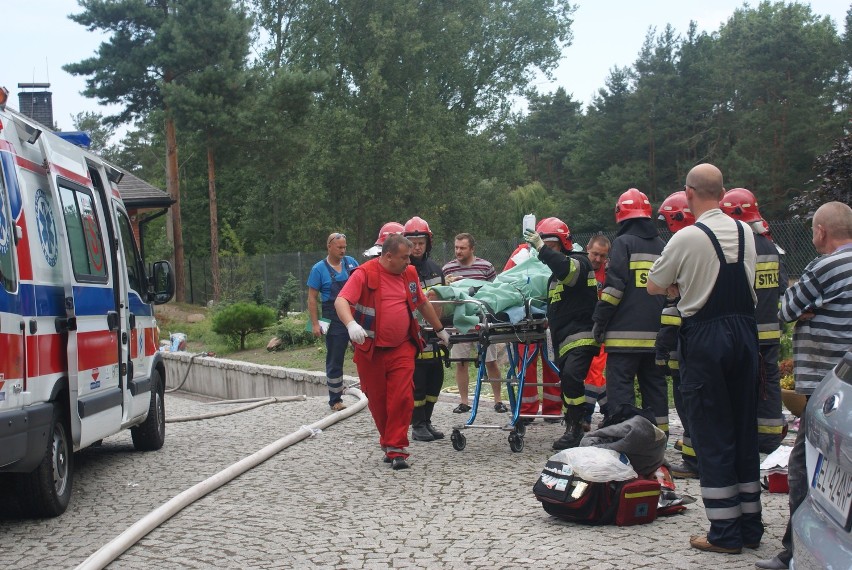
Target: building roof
<point x="136" y="193"/>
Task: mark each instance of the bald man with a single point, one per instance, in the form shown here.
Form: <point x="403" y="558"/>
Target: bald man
<point x="821" y="306"/>
<point x="711" y="266"/>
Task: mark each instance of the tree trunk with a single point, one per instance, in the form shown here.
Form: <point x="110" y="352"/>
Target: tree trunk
<point x="214" y="221"/>
<point x="173" y="188"/>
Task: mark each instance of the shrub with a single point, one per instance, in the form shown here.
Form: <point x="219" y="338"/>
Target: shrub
<point x="237" y="321"/>
<point x="291" y="331"/>
<point x="288" y="295"/>
<point x="257" y="295"/>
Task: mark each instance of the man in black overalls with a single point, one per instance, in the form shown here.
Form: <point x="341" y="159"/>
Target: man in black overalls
<point x="718" y="361"/>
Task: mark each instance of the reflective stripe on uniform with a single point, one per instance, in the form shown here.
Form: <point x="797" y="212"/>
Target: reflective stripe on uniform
<point x="583" y="338"/>
<point x="630" y="339"/>
<point x="611" y="295"/>
<point x="769" y="331"/>
<point x="773" y="426"/>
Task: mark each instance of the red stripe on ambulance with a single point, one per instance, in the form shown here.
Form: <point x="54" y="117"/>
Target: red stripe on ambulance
<point x="95" y="349"/>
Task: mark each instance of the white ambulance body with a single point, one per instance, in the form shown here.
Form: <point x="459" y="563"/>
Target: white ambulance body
<point x="78" y="338"/>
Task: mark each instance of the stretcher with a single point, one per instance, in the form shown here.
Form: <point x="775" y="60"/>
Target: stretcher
<point x="492" y="329"/>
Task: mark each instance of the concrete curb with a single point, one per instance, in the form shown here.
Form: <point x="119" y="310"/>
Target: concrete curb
<point x="234" y="379"/>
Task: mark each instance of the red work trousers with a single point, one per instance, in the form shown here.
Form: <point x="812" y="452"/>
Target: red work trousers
<point x="388" y="381"/>
<point x="551" y="395"/>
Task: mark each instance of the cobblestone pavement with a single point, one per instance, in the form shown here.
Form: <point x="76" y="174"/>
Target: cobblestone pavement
<point x="329" y="501"/>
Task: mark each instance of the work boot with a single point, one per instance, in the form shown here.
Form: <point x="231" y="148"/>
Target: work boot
<point x="573" y="428"/>
<point x="421" y="433"/>
<point x="427" y="413"/>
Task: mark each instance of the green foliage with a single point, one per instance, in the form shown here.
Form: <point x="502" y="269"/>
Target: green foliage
<point x="235" y="322"/>
<point x="288" y="295"/>
<point x="834" y="178"/>
<point x="291" y="331"/>
<point x="786" y="350"/>
<point x="257" y="294"/>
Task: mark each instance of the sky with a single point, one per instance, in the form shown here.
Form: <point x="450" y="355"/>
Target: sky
<point x="606" y="34"/>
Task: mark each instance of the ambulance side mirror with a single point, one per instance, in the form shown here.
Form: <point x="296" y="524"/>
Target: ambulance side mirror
<point x="162" y="283"/>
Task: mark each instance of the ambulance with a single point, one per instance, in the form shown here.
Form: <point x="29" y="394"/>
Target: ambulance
<point x="78" y="337"/>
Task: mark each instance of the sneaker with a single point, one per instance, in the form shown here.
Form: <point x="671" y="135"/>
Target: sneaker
<point x="337" y="406"/>
<point x="500" y="408"/>
<point x="461" y="408"/>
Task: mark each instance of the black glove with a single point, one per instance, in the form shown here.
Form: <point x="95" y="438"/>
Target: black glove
<point x="662" y="358"/>
<point x="599" y="333"/>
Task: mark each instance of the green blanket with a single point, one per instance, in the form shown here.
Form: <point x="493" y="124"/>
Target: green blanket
<point x="507" y="294"/>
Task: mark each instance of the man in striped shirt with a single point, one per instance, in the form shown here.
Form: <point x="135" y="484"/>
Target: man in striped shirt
<point x="821" y="306"/>
<point x="467" y="266"/>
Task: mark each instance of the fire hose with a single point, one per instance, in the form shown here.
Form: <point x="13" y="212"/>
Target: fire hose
<point x="158" y="516"/>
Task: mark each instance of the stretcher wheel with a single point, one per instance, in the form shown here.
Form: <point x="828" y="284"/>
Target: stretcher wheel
<point x="521" y="427"/>
<point x="458" y="439"/>
<point x="516" y="442"/>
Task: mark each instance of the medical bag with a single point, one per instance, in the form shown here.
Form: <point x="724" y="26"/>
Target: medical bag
<point x="565" y="495"/>
<point x="637" y="502"/>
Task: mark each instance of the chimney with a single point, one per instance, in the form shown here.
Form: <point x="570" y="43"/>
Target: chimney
<point x="37" y="105"/>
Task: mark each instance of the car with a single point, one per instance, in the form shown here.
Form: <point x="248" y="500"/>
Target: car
<point x="821" y="525"/>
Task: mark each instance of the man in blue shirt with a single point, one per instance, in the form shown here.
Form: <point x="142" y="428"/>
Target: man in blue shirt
<point x="325" y="281"/>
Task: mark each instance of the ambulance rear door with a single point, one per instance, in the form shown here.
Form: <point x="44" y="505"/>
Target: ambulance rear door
<point x="92" y="325"/>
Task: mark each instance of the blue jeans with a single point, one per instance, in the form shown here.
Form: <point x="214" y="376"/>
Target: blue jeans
<point x="335" y="350"/>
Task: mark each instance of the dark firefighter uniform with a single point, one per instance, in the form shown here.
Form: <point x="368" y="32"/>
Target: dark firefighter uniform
<point x="631" y="319"/>
<point x="572" y="294"/>
<point x="428" y="367"/>
<point x="770" y="282"/>
<point x="667" y="358"/>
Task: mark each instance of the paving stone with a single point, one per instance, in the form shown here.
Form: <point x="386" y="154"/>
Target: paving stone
<point x="329" y="501"/>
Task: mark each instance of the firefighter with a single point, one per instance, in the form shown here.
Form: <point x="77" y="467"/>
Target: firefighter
<point x="598" y="250"/>
<point x="572" y="294"/>
<point x="428" y="367"/>
<point x="676" y="213"/>
<point x="770" y="283"/>
<point x="386" y="230"/>
<point x="551" y="392"/>
<point x="626" y="318"/>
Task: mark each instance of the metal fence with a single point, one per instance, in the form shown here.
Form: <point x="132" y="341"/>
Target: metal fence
<point x="240" y="276"/>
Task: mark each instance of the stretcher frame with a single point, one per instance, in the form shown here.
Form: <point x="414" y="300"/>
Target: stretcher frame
<point x="531" y="330"/>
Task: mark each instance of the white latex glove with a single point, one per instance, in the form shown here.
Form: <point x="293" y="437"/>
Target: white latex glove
<point x="357" y="334"/>
<point x="444" y="337"/>
<point x="532" y="238"/>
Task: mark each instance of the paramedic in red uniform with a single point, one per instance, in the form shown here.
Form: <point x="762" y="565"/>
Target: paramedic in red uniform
<point x="711" y="266"/>
<point x="385" y="292"/>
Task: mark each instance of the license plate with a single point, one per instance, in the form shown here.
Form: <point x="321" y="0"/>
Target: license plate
<point x="832" y="487"/>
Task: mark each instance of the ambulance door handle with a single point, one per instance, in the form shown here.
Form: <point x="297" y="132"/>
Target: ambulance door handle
<point x="132" y="320"/>
<point x="112" y="320"/>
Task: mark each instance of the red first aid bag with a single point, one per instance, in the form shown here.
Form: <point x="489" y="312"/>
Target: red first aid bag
<point x="637" y="502"/>
<point x="565" y="495"/>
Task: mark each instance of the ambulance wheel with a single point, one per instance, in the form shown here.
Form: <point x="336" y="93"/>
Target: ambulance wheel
<point x="150" y="435"/>
<point x="516" y="442"/>
<point x="458" y="439"/>
<point x="47" y="490"/>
